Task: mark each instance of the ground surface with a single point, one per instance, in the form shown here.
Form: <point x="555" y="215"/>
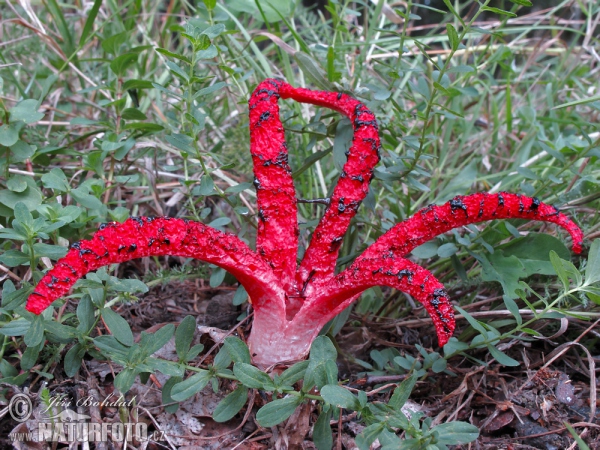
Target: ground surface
<point x="516" y="408"/>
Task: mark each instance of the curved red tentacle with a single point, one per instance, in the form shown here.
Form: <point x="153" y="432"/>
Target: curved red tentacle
<point x="277" y="235"/>
<point x="143" y="236"/>
<point x="386" y="270"/>
<point x="463" y="210"/>
<point x="352" y="187"/>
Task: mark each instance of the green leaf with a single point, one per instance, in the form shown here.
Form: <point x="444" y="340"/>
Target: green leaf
<point x="82" y="196"/>
<point x="231" y="405"/>
<point x="193" y="352"/>
<point x="222" y="360"/>
<point x="582" y="101"/>
<point x="207" y="53"/>
<point x="218" y="223"/>
<point x="210" y="5"/>
<point x="31" y="197"/>
<point x="368" y="436"/>
<point x="340" y="397"/>
<point x="214" y="30"/>
<point x="130" y="285"/>
<point x="240" y="297"/>
<point x="512" y="306"/>
<point x="218" y="275"/>
<point x="18" y="380"/>
<point x="582" y="445"/>
<point x="522" y="2"/>
<point x="426" y="250"/>
<point x="455" y="433"/>
<point x="143" y="126"/>
<point x="164" y="51"/>
<point x="202" y="43"/>
<point x="133" y="114"/>
<point x="8" y="135"/>
<point x="592" y="268"/>
<point x="112" y="348"/>
<point x="184" y="336"/>
<point x="137" y="84"/>
<point x="560" y="270"/>
<point x="85" y="314"/>
<point x="60" y="332"/>
<point x="237" y="188"/>
<point x="318" y="373"/>
<point x="166" y="394"/>
<point x="322" y="437"/>
<point x="17" y="183"/>
<point x="472" y="321"/>
<point x="439" y="365"/>
<point x="23" y="216"/>
<point x="502" y="358"/>
<point x="252" y="377"/>
<point x="7" y="369"/>
<point x="151" y="343"/>
<point x="209" y="89"/>
<point x="277" y="411"/>
<point x="13" y="258"/>
<point x="238" y="351"/>
<point x="30" y="357"/>
<point x="26" y="111"/>
<point x="506" y="270"/>
<point x="54" y="252"/>
<point x="35" y="334"/>
<point x="124" y="380"/>
<point x="118" y="326"/>
<point x="181" y="141"/>
<point x="207" y="186"/>
<point x="568" y="270"/>
<point x="120" y="64"/>
<point x="533" y="251"/>
<point x="273" y="10"/>
<point x="166" y="367"/>
<point x="189" y="387"/>
<point x="56" y="179"/>
<point x="498" y="11"/>
<point x="461" y="69"/>
<point x="22" y="151"/>
<point x="89" y="22"/>
<point x="452" y="36"/>
<point x="73" y="359"/>
<point x="16" y="327"/>
<point x="402" y="392"/>
<point x="447" y="250"/>
<point x="322" y="349"/>
<point x="178" y="71"/>
<point x="59" y="21"/>
<point x="448" y="4"/>
<point x="293" y="374"/>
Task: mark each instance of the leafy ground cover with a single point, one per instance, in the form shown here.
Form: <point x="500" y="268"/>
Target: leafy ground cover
<point x="140" y="109"/>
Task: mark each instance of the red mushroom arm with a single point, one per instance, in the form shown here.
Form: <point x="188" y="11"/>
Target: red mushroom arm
<point x="352" y="187"/>
<point x="463" y="210"/>
<point x="277" y="239"/>
<point x="382" y="264"/>
<point x="143" y="236"/>
<point x="277" y="235"/>
<point x="398" y="273"/>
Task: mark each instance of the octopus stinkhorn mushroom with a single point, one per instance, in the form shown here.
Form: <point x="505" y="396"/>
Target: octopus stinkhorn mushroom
<point x="292" y="301"/>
